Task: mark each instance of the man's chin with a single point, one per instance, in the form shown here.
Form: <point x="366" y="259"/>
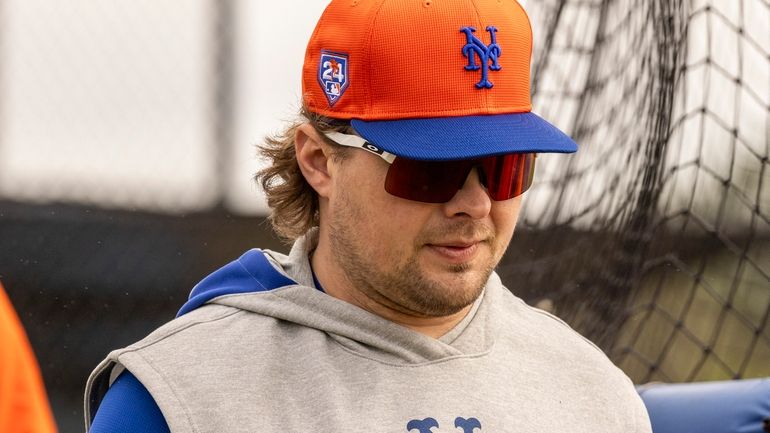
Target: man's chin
<point x="471" y="271"/>
<point x="450" y="302"/>
<point x="461" y="268"/>
<point x="458" y="290"/>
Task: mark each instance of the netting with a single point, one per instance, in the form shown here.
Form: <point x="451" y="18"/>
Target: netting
<point x="654" y="240"/>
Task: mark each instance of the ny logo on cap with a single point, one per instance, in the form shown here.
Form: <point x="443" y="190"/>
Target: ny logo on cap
<point x="476" y="48"/>
<point x="333" y="75"/>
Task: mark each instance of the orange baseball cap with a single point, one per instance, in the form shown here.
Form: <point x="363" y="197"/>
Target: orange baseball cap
<point x="429" y="79"/>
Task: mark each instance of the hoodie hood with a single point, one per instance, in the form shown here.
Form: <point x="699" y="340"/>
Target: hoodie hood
<point x="251" y="273"/>
<point x="266" y="283"/>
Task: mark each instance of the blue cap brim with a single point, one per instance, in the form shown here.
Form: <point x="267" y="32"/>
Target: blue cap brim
<point x="448" y="138"/>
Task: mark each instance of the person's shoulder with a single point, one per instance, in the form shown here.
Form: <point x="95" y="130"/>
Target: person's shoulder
<point x="207" y="331"/>
<point x="188" y="323"/>
<point x="550" y="343"/>
<point x="547" y="331"/>
<point x="549" y="321"/>
<point x="182" y="346"/>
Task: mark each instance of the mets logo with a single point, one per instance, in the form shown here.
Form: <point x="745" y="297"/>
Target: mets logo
<point x="475" y="48"/>
<point x="467" y="425"/>
<point x="333" y="75"/>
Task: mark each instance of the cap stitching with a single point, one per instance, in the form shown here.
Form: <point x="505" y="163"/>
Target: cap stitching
<point x="529" y="24"/>
<point x="481" y="25"/>
<point x="307" y="50"/>
<point x="507" y="110"/>
<point x="367" y="46"/>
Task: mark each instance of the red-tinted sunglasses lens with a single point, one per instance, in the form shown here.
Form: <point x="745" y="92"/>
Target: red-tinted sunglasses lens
<point x="504" y="176"/>
<point x="508" y="176"/>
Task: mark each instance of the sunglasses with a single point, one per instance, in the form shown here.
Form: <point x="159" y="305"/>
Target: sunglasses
<point x="504" y="176"/>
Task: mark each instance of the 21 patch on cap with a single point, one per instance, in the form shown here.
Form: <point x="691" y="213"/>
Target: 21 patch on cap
<point x="333" y="75"/>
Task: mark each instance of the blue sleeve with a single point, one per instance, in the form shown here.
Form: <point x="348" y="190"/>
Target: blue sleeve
<point x="715" y="407"/>
<point x="128" y="408"/>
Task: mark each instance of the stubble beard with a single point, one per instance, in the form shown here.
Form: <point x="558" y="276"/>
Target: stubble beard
<point x="406" y="287"/>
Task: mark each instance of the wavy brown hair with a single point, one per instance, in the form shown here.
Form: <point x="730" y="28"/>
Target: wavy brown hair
<point x="293" y="201"/>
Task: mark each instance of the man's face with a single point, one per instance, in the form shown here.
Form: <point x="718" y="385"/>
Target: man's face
<point x="422" y="259"/>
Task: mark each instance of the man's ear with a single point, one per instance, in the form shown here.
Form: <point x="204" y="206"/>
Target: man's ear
<point x="314" y="158"/>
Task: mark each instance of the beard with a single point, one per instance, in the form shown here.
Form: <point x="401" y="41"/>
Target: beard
<point x="396" y="278"/>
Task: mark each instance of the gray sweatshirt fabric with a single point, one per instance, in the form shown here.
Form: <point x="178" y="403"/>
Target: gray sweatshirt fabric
<point x="293" y="359"/>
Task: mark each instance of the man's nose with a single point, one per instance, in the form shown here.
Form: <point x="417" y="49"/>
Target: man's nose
<point x="472" y="199"/>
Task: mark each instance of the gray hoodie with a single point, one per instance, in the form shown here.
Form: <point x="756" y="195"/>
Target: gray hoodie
<point x="259" y="348"/>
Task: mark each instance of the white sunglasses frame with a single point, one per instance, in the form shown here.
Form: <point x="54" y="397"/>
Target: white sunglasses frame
<point x="350" y="140"/>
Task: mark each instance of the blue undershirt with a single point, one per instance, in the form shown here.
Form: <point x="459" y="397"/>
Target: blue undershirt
<point x="128" y="408"/>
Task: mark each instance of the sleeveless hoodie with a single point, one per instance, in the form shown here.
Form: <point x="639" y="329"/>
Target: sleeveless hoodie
<point x="258" y="348"/>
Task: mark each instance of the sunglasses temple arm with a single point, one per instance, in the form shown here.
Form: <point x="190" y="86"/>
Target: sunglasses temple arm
<point x="356" y="141"/>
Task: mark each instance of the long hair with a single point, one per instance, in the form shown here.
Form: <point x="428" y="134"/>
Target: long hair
<point x="293" y="201"/>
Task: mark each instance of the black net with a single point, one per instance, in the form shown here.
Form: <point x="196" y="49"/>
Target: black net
<point x="654" y="239"/>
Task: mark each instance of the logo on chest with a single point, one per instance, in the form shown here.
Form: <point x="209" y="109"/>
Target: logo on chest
<point x="468" y="425"/>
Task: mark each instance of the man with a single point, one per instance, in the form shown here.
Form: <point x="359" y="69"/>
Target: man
<point x="401" y="186"/>
<point x="24" y="405"/>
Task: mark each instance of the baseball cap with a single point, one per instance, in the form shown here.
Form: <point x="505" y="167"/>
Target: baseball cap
<point x="429" y="79"/>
